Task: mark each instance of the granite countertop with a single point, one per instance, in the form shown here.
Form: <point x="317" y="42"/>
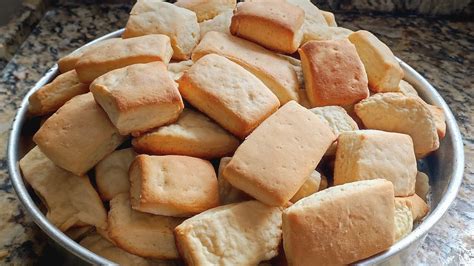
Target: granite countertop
<point x="441" y="50"/>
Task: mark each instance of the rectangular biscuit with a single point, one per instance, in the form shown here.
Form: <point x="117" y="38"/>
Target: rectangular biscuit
<point x="205" y="9"/>
<point x="272" y="169"/>
<point x="122" y="52"/>
<point x="274" y="71"/>
<point x="78" y="135"/>
<point x="219" y="23"/>
<point x="53" y="95"/>
<point x="276" y="26"/>
<point x="227" y="93"/>
<point x="138" y="97"/>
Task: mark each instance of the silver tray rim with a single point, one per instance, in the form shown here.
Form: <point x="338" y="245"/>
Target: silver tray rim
<point x="417" y="235"/>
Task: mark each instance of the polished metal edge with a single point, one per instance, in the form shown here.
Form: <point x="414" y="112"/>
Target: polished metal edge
<point x="416" y="235"/>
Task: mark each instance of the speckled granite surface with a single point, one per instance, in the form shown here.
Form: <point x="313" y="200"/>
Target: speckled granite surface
<point x="441" y="50"/>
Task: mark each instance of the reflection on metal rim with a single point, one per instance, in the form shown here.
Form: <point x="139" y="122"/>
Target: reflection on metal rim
<point x="426" y="90"/>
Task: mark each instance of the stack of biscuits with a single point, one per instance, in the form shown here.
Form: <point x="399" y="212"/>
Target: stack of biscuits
<point x="218" y="133"/>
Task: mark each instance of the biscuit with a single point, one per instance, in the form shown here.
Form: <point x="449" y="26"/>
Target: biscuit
<point x="403" y="220"/>
<point x="439" y="119"/>
<point x="78" y="135"/>
<point x="111" y="173"/>
<point x="228" y="94"/>
<point x="138" y="97"/>
<point x="243" y="233"/>
<point x="407" y="89"/>
<point x="172" y="185"/>
<point x="274" y="71"/>
<point x="273" y="169"/>
<point x="338" y="120"/>
<point x="417" y="206"/>
<point x="325" y="33"/>
<point x="382" y="67"/>
<point x="396" y="112"/>
<point x="219" y="23"/>
<point x="193" y="134"/>
<point x="277" y="27"/>
<point x="330" y="18"/>
<point x="313" y="17"/>
<point x="139" y="233"/>
<point x="121" y="53"/>
<point x="310" y="186"/>
<point x="176" y="69"/>
<point x="372" y="154"/>
<point x="322" y="229"/>
<point x="156" y="17"/>
<point x="78" y="233"/>
<point x="333" y="73"/>
<point x="206" y="9"/>
<point x="422" y="185"/>
<point x="100" y="246"/>
<point x="68" y="62"/>
<point x="70" y="200"/>
<point x="227" y="193"/>
<point x="53" y="95"/>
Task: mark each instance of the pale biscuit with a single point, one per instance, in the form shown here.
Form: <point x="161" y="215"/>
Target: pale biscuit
<point x="403" y="220"/>
<point x="53" y="95"/>
<point x="372" y="154"/>
<point x="138" y="97"/>
<point x="274" y="71"/>
<point x="68" y="62"/>
<point x="277" y="26"/>
<point x="207" y="9"/>
<point x="156" y="17"/>
<point x="333" y="72"/>
<point x="121" y="53"/>
<point x="383" y="70"/>
<point x="321" y="229"/>
<point x="325" y="33"/>
<point x="417" y="205"/>
<point x="439" y="119"/>
<point x="139" y="233"/>
<point x="78" y="135"/>
<point x="324" y="183"/>
<point x="111" y="173"/>
<point x="228" y="94"/>
<point x="396" y="112"/>
<point x="219" y="23"/>
<point x="172" y="185"/>
<point x="310" y="186"/>
<point x="78" y="233"/>
<point x="422" y="185"/>
<point x="339" y="121"/>
<point x="243" y="233"/>
<point x="193" y="134"/>
<point x="330" y="18"/>
<point x="313" y="17"/>
<point x="70" y="200"/>
<point x="176" y="69"/>
<point x="273" y="169"/>
<point x="227" y="193"/>
<point x="407" y="89"/>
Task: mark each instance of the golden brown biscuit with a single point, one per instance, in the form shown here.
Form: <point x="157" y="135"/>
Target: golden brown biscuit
<point x="417" y="205"/>
<point x="382" y="67"/>
<point x="121" y="53"/>
<point x="207" y="9"/>
<point x="193" y="134"/>
<point x="78" y="135"/>
<point x="176" y="69"/>
<point x="310" y="186"/>
<point x="396" y="112"/>
<point x="322" y="229"/>
<point x="78" y="233"/>
<point x="277" y="26"/>
<point x="273" y="169"/>
<point x="219" y="23"/>
<point x="111" y="173"/>
<point x="139" y="233"/>
<point x="243" y="233"/>
<point x="334" y="74"/>
<point x="330" y="18"/>
<point x="227" y="93"/>
<point x="139" y="97"/>
<point x="325" y="33"/>
<point x="372" y="154"/>
<point x="439" y="119"/>
<point x="68" y="62"/>
<point x="403" y="220"/>
<point x="227" y="193"/>
<point x="156" y="17"/>
<point x="274" y="71"/>
<point x="71" y="200"/>
<point x="172" y="185"/>
<point x="53" y="95"/>
<point x="407" y="89"/>
<point x="422" y="185"/>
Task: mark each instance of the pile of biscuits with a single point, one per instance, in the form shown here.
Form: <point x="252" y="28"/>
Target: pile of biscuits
<point x="260" y="132"/>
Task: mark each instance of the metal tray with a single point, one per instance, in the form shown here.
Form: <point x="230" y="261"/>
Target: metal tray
<point x="445" y="169"/>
